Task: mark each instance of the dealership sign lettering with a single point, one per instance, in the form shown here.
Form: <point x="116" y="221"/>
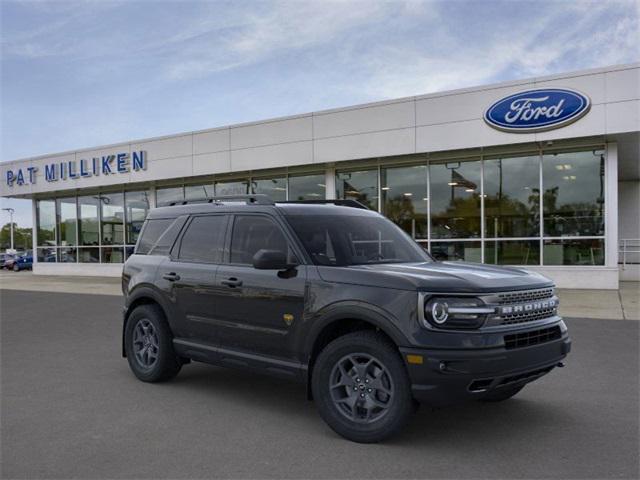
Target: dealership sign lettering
<point x="537" y="110"/>
<point x="75" y="169"/>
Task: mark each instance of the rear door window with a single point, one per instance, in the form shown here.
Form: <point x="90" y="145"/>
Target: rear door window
<point x="203" y="241"/>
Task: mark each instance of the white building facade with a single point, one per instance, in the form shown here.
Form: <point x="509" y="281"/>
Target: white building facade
<point x="541" y="173"/>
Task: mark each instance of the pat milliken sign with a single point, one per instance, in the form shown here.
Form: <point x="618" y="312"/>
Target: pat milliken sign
<point x="537" y="110"/>
<point x="105" y="165"/>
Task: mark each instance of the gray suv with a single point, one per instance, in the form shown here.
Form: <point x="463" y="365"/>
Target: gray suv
<point x="336" y="296"/>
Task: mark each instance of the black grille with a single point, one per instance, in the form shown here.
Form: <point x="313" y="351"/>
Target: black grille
<point x="534" y="337"/>
<point x="527" y="297"/>
<point x="508" y="298"/>
<point x="528" y="316"/>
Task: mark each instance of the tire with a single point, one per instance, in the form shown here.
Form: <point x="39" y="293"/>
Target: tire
<point x="149" y="345"/>
<point x="501" y="394"/>
<point x="369" y="409"/>
<point x="16" y="268"/>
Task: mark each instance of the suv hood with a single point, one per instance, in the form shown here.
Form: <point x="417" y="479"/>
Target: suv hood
<point x="452" y="277"/>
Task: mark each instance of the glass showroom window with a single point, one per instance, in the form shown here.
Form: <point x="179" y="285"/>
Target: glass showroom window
<point x="573" y="198"/>
<point x="168" y="195"/>
<point x="276" y="187"/>
<point x="67" y="229"/>
<point x="512" y="252"/>
<point x="88" y="229"/>
<point x="574" y="251"/>
<point x="46" y="230"/>
<point x="512" y="197"/>
<point x="198" y="192"/>
<point x="405" y="200"/>
<point x="112" y="218"/>
<point x="455" y="200"/>
<point x="307" y="187"/>
<point x="361" y="186"/>
<point x="232" y="188"/>
<point x="136" y="209"/>
<point x="459" y="251"/>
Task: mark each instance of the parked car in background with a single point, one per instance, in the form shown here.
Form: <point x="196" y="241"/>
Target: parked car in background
<point x="23" y="262"/>
<point x="7" y="261"/>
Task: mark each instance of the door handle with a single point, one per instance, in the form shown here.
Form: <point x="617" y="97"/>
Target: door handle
<point x="171" y="276"/>
<point x="232" y="282"/>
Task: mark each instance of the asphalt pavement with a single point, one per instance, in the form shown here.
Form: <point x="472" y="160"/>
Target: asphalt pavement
<point x="72" y="409"/>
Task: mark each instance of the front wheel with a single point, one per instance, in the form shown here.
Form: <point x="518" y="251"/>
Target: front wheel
<point x="361" y="387"/>
<point x="16" y="268"/>
<point x="149" y="345"/>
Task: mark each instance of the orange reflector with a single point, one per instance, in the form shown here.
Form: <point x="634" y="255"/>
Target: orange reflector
<point x="415" y="359"/>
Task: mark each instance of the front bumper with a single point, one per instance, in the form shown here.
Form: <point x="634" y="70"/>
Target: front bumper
<point x="447" y="377"/>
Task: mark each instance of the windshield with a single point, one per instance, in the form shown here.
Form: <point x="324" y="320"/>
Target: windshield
<point x="342" y="240"/>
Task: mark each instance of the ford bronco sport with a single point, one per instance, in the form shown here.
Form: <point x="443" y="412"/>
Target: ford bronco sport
<point x="334" y="295"/>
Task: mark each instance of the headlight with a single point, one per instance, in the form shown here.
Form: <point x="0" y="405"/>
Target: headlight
<point x="455" y="312"/>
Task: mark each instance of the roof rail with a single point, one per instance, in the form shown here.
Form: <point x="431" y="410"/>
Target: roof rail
<point x="341" y="202"/>
<point x="256" y="199"/>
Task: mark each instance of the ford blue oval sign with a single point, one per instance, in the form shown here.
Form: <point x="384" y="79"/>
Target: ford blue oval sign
<point x="537" y="110"/>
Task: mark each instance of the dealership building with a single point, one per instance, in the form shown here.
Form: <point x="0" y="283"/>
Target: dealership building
<point x="541" y="173"/>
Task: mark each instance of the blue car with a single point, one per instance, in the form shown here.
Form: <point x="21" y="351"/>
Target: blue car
<point x="23" y="262"/>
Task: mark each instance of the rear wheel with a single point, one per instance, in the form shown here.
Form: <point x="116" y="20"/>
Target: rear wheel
<point x="361" y="387"/>
<point x="16" y="268"/>
<point x="149" y="345"/>
<point x="501" y="394"/>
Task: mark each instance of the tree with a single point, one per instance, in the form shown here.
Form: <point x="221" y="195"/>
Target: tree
<point x="21" y="237"/>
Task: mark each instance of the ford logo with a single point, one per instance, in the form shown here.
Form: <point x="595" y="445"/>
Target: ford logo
<point x="537" y="110"/>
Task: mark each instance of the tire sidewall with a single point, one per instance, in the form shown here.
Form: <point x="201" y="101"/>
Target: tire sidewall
<point x="377" y="347"/>
<point x="166" y="357"/>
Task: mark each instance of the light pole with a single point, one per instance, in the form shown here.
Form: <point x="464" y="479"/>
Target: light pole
<point x="11" y="211"/>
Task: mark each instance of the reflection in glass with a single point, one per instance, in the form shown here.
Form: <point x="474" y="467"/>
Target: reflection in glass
<point x="455" y="200"/>
<point x="89" y="255"/>
<point x="276" y="188"/>
<point x="46" y="255"/>
<point x="457" y="251"/>
<point x="112" y="255"/>
<point x="404" y="198"/>
<point x="307" y="187"/>
<point x="67" y="220"/>
<point x="46" y="218"/>
<point x="512" y="197"/>
<point x="167" y="196"/>
<point x="136" y="208"/>
<point x="361" y="186"/>
<point x="112" y="218"/>
<point x="232" y="188"/>
<point x="573" y="199"/>
<point x="198" y="192"/>
<point x="574" y="252"/>
<point x="67" y="254"/>
<point x="512" y="252"/>
<point x="88" y="220"/>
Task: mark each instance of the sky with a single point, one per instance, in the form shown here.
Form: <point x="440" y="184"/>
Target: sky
<point x="86" y="73"/>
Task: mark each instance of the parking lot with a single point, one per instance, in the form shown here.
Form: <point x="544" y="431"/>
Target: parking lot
<point x="72" y="409"/>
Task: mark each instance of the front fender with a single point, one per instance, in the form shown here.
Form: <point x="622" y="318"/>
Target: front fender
<point x="355" y="310"/>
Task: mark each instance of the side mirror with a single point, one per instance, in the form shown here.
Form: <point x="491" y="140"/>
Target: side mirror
<point x="270" y="260"/>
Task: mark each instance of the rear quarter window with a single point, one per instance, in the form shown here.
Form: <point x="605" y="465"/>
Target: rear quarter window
<point x="158" y="235"/>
